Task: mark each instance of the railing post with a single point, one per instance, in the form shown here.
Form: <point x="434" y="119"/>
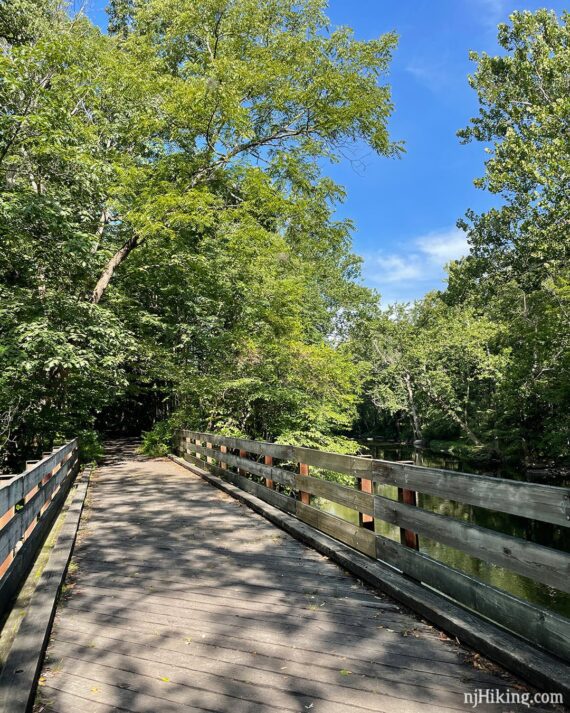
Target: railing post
<point x="242" y="454"/>
<point x="198" y="443"/>
<point x="209" y="459"/>
<point x="268" y="460"/>
<point x="43" y="481"/>
<point x="365" y="520"/>
<point x="408" y="537"/>
<point x="304" y="497"/>
<point x="223" y="466"/>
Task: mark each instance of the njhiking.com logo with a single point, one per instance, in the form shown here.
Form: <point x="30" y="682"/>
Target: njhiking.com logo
<point x="506" y="697"/>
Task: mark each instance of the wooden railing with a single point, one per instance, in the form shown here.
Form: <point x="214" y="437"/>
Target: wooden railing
<point x="288" y="486"/>
<point x="29" y="503"/>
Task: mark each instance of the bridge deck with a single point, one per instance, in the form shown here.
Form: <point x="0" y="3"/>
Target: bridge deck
<point x="180" y="599"/>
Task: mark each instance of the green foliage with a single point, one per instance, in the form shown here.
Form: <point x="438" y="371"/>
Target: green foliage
<point x="488" y="359"/>
<point x="518" y="273"/>
<point x="524" y="111"/>
<point x="157" y="442"/>
<point x="169" y="246"/>
<point x="170" y="252"/>
<point x="433" y="364"/>
<point x="90" y="446"/>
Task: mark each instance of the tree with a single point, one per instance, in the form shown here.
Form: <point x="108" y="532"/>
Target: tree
<point x="518" y="271"/>
<point x="240" y="82"/>
<point x="168" y="240"/>
<point x="524" y="115"/>
<point x="437" y="365"/>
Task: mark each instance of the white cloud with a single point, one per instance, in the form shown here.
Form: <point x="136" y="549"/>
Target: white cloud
<point x="444" y="245"/>
<point x="407" y="275"/>
<point x="433" y="75"/>
<point x="395" y="268"/>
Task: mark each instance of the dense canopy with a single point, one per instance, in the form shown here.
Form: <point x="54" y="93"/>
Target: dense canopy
<point x="170" y="252"/>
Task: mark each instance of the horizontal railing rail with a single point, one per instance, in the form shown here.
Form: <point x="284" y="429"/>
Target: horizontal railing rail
<point x="29" y="503"/>
<point x="289" y="485"/>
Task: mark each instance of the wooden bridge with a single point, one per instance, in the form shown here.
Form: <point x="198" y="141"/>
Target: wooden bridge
<point x="248" y="596"/>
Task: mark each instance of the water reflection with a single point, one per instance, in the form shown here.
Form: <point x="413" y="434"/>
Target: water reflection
<point x="541" y="533"/>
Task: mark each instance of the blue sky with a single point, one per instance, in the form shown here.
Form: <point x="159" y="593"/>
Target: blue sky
<point x="405" y="209"/>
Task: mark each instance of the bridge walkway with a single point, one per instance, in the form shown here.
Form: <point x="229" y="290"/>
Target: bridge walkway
<point x="179" y="599"/>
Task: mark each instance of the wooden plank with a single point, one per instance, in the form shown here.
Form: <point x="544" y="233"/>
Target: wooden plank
<point x="20" y="485"/>
<point x="539" y="626"/>
<point x="266" y="657"/>
<point x="12" y="579"/>
<point x="349" y="497"/>
<point x="364" y="520"/>
<point x="137" y="495"/>
<point x="357" y="537"/>
<point x="532" y="500"/>
<point x="255" y="670"/>
<point x="12" y="533"/>
<point x="217" y="613"/>
<point x="284" y="477"/>
<point x="542" y="670"/>
<point x="542" y="564"/>
<point x="268" y="460"/>
<point x="18" y="679"/>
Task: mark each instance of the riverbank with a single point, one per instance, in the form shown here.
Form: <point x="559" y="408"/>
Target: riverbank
<point x="461" y="456"/>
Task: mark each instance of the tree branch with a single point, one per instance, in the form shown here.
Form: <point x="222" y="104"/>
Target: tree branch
<point x="283" y="132"/>
<point x="111" y="266"/>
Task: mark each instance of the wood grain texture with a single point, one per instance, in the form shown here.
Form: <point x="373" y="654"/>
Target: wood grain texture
<point x="185" y="600"/>
<point x="17" y="526"/>
<point x="543" y="564"/>
<point x="18" y="679"/>
<point x="349" y="497"/>
<point x="284" y="477"/>
<point x="20" y="485"/>
<point x="351" y="465"/>
<point x="13" y="578"/>
<point x="518" y="656"/>
<point x="536" y="624"/>
<point x="532" y="500"/>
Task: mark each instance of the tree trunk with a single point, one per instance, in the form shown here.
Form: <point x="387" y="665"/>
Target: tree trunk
<point x="110" y="268"/>
<point x="415" y="418"/>
<point x="462" y="423"/>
